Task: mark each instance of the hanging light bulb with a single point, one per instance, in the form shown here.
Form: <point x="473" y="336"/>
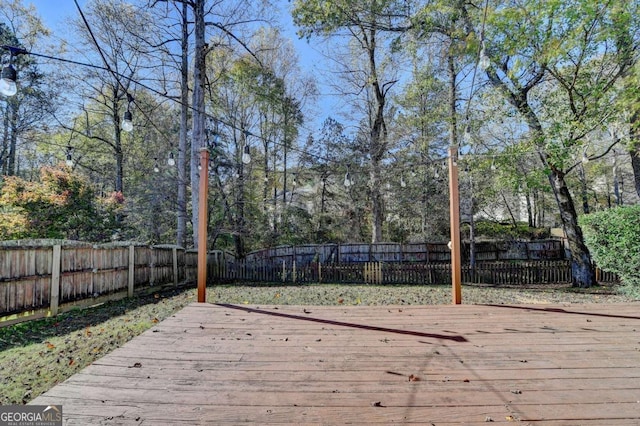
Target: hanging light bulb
<point x="156" y="167"/>
<point x="436" y="174"/>
<point x="347" y="180"/>
<point x="8" y="86"/>
<point x="484" y="62"/>
<point x="127" y="123"/>
<point x="246" y="155"/>
<point x="493" y="166"/>
<point x="295" y="180"/>
<point x="585" y="157"/>
<point x="69" y="160"/>
<point x="466" y="136"/>
<point x="403" y="184"/>
<point x="127" y="120"/>
<point x="171" y="160"/>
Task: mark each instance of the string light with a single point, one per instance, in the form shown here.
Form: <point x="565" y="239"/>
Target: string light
<point x="8" y="76"/>
<point x="156" y="166"/>
<point x="347" y="180"/>
<point x="69" y="160"/>
<point x="127" y="121"/>
<point x="246" y="155"/>
<point x="484" y="62"/>
<point x="8" y="86"/>
<point x="171" y="160"/>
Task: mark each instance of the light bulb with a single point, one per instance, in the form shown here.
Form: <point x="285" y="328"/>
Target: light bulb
<point x="69" y="161"/>
<point x="347" y="180"/>
<point x="127" y="123"/>
<point x="8" y="86"/>
<point x="484" y="62"/>
<point x="246" y="155"/>
<point x="466" y="136"/>
<point x="156" y="167"/>
<point x="171" y="161"/>
<point x="403" y="184"/>
<point x="585" y="158"/>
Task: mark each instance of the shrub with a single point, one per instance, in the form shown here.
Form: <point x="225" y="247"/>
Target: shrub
<point x="613" y="237"/>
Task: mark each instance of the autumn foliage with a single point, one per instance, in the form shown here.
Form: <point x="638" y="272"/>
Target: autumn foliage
<point x="60" y="205"/>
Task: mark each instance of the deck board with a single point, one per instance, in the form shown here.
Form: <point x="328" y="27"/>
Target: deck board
<point x="441" y="365"/>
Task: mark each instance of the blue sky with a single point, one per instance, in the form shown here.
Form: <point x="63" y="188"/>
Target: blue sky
<point x="55" y="12"/>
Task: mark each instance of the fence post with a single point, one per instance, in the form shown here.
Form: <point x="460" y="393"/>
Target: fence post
<point x="55" y="280"/>
<point x="293" y="271"/>
<point x="284" y="270"/>
<point x="132" y="269"/>
<point x="319" y="271"/>
<point x="175" y="266"/>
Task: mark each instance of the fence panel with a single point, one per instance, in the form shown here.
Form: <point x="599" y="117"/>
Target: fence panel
<point x="84" y="272"/>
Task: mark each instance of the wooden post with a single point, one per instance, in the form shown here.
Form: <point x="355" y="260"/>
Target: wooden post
<point x="175" y="266"/>
<point x="202" y="224"/>
<point x="454" y="217"/>
<point x="132" y="270"/>
<point x="55" y="280"/>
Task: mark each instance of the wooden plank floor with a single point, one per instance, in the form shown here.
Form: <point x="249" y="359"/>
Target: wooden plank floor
<point x="434" y="365"/>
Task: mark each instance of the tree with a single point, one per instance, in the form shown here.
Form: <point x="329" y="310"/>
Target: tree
<point x="546" y="59"/>
<point x="365" y="22"/>
<point x="109" y="87"/>
<point x="20" y="28"/>
<point x="60" y="205"/>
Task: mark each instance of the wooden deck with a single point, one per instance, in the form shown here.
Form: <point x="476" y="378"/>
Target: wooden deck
<point x="434" y="365"/>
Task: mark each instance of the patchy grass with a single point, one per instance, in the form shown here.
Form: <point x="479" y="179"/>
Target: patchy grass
<point x="36" y="355"/>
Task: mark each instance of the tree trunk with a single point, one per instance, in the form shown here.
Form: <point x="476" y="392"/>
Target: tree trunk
<point x="117" y="139"/>
<point x="5" y="141"/>
<point x="181" y="231"/>
<point x="377" y="207"/>
<point x="635" y="165"/>
<point x="197" y="142"/>
<point x="583" y="274"/>
<point x="240" y="220"/>
<point x="13" y="139"/>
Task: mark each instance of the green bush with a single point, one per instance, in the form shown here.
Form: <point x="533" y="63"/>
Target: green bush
<point x="613" y="237"/>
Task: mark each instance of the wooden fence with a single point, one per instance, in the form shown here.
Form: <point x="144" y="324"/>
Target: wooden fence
<point x="417" y="252"/>
<point x="491" y="272"/>
<point x="37" y="281"/>
<point x="42" y="280"/>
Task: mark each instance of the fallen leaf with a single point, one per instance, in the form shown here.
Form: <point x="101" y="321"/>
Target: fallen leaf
<point x="377" y="404"/>
<point x="341" y="301"/>
<point x="155" y="320"/>
<point x="136" y="365"/>
<point x="50" y="346"/>
<point x="413" y="378"/>
<point x="71" y="361"/>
